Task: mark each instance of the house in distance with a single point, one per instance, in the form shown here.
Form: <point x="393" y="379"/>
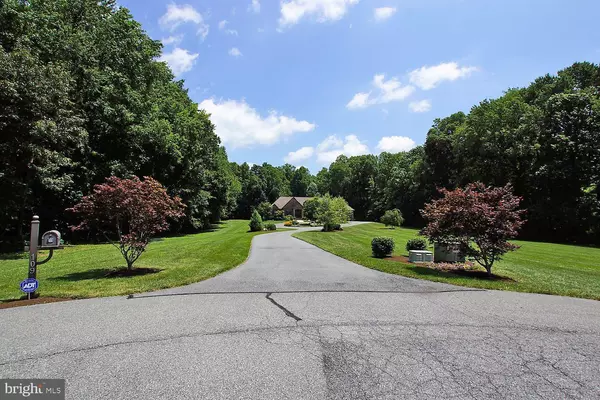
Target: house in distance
<point x="294" y="206"/>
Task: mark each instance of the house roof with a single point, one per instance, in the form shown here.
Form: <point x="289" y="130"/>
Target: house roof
<point x="282" y="201"/>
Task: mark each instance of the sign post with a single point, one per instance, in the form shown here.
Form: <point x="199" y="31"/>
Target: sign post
<point x="33" y="250"/>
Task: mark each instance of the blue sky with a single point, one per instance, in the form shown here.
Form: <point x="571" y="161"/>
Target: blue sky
<point x="306" y="80"/>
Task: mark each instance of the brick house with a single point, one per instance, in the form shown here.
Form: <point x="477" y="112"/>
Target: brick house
<point x="294" y="206"/>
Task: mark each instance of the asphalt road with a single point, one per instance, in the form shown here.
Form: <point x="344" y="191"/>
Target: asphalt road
<point x="295" y="322"/>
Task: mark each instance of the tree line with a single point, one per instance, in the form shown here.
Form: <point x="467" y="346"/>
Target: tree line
<point x="543" y="139"/>
<point x="83" y="98"/>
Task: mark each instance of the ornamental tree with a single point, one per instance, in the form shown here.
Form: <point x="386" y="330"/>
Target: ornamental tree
<point x="332" y="211"/>
<point x="133" y="209"/>
<point x="480" y="219"/>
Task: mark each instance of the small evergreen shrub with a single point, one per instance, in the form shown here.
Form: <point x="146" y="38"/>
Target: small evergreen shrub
<point x="288" y="218"/>
<point x="416" y="244"/>
<point x="256" y="222"/>
<point x="382" y="247"/>
<point x="270" y="227"/>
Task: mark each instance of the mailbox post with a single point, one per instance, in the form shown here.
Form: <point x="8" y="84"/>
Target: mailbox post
<point x="33" y="245"/>
<point x="50" y="241"/>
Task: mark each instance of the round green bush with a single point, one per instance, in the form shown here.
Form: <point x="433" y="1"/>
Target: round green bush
<point x="256" y="223"/>
<point x="270" y="227"/>
<point x="416" y="244"/>
<point x="382" y="247"/>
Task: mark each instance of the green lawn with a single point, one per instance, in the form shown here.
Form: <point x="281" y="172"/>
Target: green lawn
<point x="536" y="267"/>
<point x="79" y="271"/>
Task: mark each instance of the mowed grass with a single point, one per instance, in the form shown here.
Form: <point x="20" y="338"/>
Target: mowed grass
<point x="80" y="271"/>
<point x="536" y="267"/>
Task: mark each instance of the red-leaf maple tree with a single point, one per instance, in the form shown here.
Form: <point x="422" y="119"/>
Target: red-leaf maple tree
<point x="480" y="219"/>
<point x="134" y="209"/>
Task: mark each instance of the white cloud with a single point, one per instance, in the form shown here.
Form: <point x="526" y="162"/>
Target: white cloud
<point x="395" y="144"/>
<point x="387" y="92"/>
<point x="360" y="100"/>
<point x="222" y="26"/>
<point x="239" y="125"/>
<point x="172" y="40"/>
<point x="292" y="11"/>
<point x="299" y="155"/>
<point x="255" y="6"/>
<point x="428" y="78"/>
<point x="180" y="60"/>
<point x="332" y="147"/>
<point x="180" y="14"/>
<point x="420" y="106"/>
<point x="235" y="52"/>
<point x="384" y="13"/>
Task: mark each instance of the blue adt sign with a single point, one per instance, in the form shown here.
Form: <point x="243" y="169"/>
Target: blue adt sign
<point x="29" y="285"/>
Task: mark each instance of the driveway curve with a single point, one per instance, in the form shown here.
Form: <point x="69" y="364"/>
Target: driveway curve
<point x="279" y="262"/>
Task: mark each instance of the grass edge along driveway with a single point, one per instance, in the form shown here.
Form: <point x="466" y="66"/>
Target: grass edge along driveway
<point x="79" y="271"/>
<point x="536" y="267"/>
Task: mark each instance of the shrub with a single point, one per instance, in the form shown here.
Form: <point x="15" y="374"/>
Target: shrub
<point x="295" y="223"/>
<point x="270" y="226"/>
<point x="256" y="223"/>
<point x="416" y="244"/>
<point x="278" y="215"/>
<point x="392" y="218"/>
<point x="287" y="223"/>
<point x="332" y="228"/>
<point x="382" y="246"/>
<point x="288" y="218"/>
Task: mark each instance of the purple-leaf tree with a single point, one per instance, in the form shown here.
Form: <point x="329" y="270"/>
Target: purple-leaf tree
<point x="133" y="209"/>
<point x="480" y="219"/>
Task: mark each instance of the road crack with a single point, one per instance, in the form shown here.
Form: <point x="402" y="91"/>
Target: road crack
<point x="285" y="310"/>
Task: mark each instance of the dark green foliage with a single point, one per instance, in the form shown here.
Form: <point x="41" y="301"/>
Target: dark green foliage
<point x="382" y="247"/>
<point x="392" y="218"/>
<point x="270" y="226"/>
<point x="82" y="98"/>
<point x="416" y="244"/>
<point x="265" y="210"/>
<point x="310" y="209"/>
<point x="256" y="223"/>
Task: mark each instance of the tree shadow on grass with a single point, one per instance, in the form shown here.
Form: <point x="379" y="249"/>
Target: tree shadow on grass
<point x="13" y="256"/>
<point x="460" y="273"/>
<point x="105" y="273"/>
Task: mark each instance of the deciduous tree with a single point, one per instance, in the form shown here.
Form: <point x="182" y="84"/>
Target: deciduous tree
<point x="133" y="209"/>
<point x="480" y="219"/>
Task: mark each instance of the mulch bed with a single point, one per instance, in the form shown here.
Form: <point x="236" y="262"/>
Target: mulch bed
<point x="25" y="302"/>
<point x="468" y="269"/>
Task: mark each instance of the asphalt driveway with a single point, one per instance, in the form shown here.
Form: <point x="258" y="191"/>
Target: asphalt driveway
<point x="295" y="322"/>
